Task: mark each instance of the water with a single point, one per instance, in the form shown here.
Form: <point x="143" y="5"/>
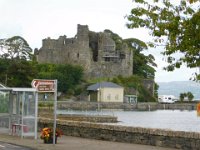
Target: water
<point x="162" y="119"/>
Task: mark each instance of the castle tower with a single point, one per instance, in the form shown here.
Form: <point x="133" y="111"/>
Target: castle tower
<point x="83" y="53"/>
<point x="82" y="33"/>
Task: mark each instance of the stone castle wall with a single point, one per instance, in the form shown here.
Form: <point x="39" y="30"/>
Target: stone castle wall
<point x="95" y="52"/>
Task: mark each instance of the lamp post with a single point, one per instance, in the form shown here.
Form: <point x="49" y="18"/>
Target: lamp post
<point x="99" y="100"/>
<point x="99" y="94"/>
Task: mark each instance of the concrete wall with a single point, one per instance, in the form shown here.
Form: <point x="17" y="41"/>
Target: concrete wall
<point x="155" y="137"/>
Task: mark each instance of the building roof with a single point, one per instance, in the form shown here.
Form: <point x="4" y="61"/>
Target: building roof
<point x="95" y="87"/>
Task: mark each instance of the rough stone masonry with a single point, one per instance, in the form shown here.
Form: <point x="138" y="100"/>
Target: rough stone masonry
<point x="95" y="52"/>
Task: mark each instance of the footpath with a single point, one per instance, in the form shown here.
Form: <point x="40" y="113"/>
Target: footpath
<point x="75" y="143"/>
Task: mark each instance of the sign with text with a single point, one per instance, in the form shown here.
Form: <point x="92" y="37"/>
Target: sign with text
<point x="44" y="85"/>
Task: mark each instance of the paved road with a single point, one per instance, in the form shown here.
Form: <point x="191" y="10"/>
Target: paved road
<point x="7" y="146"/>
<point x="72" y="143"/>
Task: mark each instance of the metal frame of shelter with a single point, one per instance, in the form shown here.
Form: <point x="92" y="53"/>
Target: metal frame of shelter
<point x="21" y="116"/>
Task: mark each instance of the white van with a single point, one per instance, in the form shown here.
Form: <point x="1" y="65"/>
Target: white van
<point x="166" y="99"/>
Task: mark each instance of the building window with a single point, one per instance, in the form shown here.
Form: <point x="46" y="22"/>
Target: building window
<point x="77" y="55"/>
<point x="116" y="97"/>
<point x="109" y="97"/>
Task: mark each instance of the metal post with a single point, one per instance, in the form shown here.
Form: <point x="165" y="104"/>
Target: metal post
<point x="55" y="107"/>
<point x="99" y="96"/>
<point x="22" y="115"/>
<point x="36" y="112"/>
<point x="10" y="109"/>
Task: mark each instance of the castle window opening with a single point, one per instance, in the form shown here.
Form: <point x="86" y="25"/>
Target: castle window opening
<point x="122" y="56"/>
<point x="111" y="59"/>
<point x="107" y="59"/>
<point x="77" y="55"/>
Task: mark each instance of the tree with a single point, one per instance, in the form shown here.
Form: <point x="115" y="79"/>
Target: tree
<point x="15" y="68"/>
<point x="68" y="76"/>
<point x="17" y="73"/>
<point x="190" y="96"/>
<point x="156" y="87"/>
<point x="15" y="48"/>
<point x="142" y="64"/>
<point x="182" y="96"/>
<point x="135" y="85"/>
<point x="4" y="65"/>
<point x="175" y="27"/>
<point x="192" y="1"/>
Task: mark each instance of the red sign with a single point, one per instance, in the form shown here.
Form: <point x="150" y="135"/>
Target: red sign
<point x="198" y="109"/>
<point x="43" y="85"/>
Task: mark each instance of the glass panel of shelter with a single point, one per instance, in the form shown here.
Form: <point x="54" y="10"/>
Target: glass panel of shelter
<point x="21" y="111"/>
<point x="4" y="111"/>
<point x="28" y="116"/>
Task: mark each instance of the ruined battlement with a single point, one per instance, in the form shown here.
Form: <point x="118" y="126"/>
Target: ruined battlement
<point x="95" y="52"/>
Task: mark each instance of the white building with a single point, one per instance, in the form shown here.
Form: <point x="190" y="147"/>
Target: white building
<point x="105" y="92"/>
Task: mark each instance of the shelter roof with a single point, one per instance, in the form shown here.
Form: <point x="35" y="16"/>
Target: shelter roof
<point x="18" y="89"/>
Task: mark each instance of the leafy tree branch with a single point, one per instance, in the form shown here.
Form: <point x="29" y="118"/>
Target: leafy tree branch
<point x="174" y="25"/>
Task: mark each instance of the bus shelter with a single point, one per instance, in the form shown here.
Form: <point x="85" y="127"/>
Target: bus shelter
<point x="19" y="111"/>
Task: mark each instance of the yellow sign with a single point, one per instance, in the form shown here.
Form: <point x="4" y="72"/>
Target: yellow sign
<point x="198" y="109"/>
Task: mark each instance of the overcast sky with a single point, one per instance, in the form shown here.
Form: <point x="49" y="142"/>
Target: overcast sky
<point x="35" y="20"/>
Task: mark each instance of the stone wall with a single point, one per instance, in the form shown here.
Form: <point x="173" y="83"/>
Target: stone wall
<point x="137" y="135"/>
<point x="124" y="106"/>
<point x="46" y="113"/>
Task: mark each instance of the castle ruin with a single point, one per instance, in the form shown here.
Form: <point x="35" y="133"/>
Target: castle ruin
<point x="95" y="52"/>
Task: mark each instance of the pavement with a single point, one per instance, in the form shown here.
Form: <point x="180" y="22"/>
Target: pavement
<point x="75" y="143"/>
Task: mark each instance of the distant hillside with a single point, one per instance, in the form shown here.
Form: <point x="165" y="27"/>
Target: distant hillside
<point x="177" y="87"/>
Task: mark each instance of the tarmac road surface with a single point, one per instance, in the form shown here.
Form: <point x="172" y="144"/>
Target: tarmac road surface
<point x="7" y="146"/>
<point x="69" y="143"/>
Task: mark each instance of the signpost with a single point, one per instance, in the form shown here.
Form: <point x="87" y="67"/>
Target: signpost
<point x="44" y="86"/>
